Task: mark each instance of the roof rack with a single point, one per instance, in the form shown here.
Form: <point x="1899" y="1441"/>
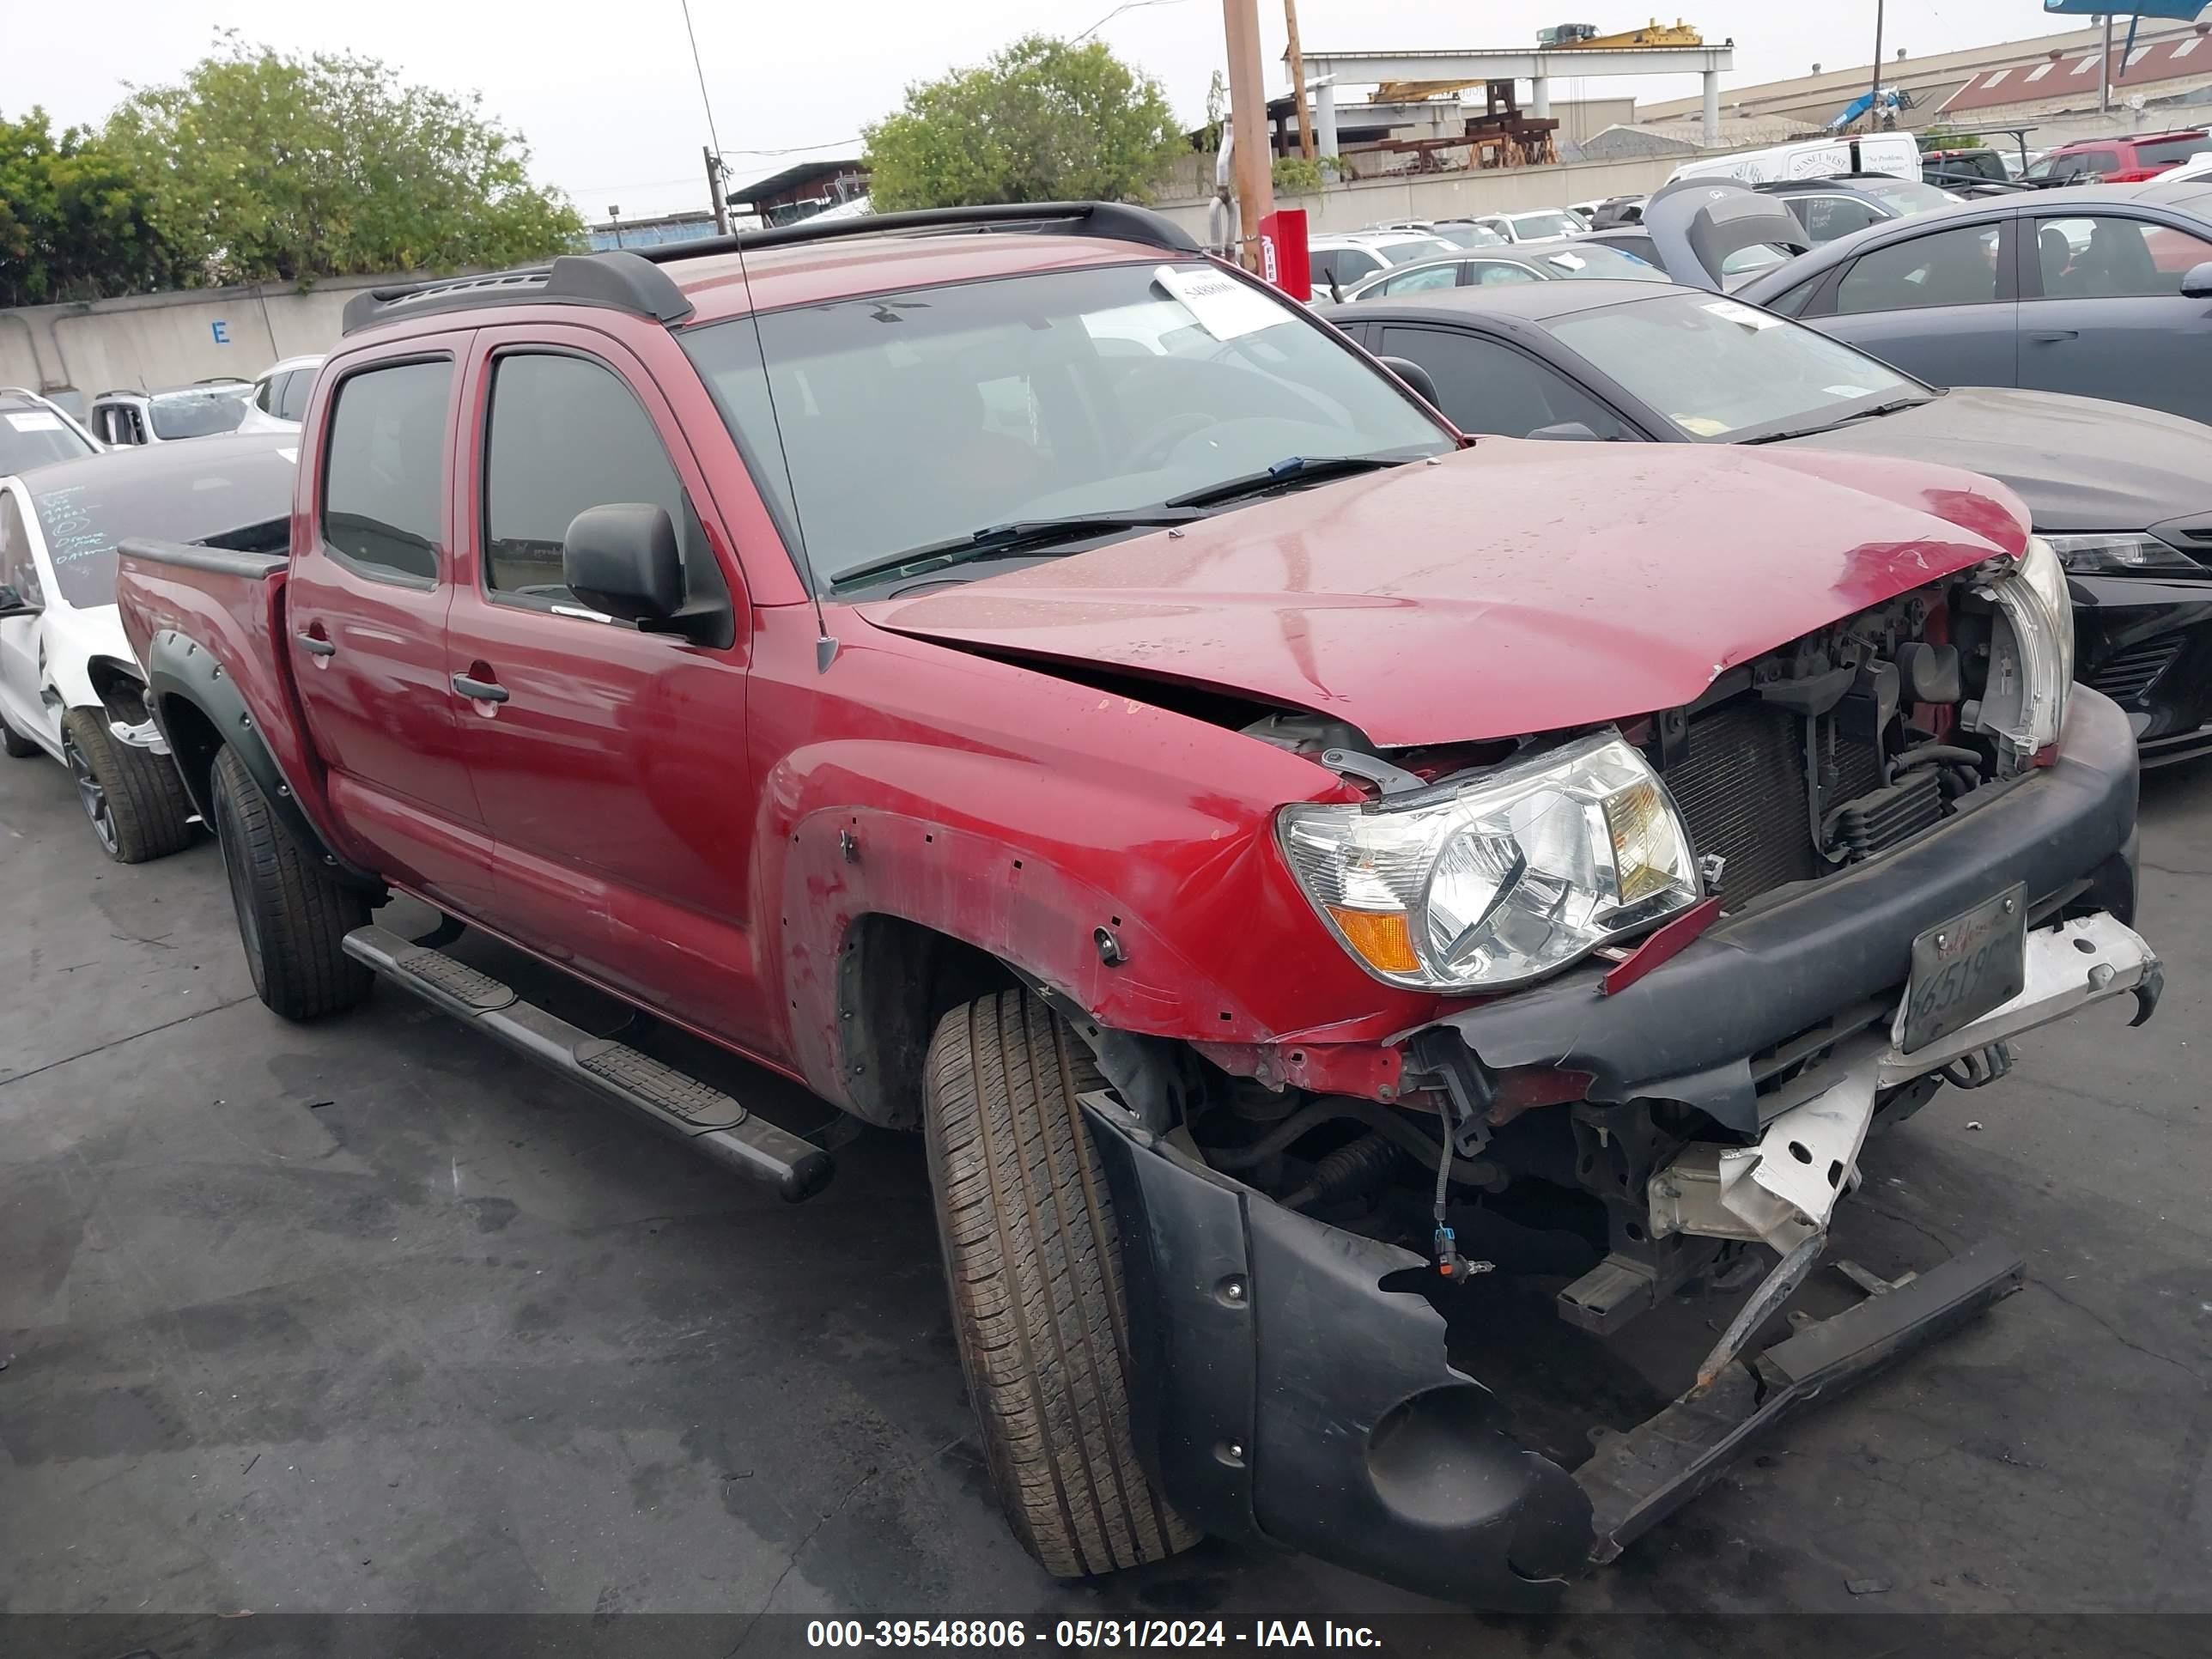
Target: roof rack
<point x="631" y="280"/>
<point x="622" y="280"/>
<point x="1112" y="221"/>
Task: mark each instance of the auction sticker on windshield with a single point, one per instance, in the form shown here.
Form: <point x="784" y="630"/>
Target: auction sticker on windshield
<point x="37" y="421"/>
<point x="1965" y="966"/>
<point x="1224" y="308"/>
<point x="1734" y="311"/>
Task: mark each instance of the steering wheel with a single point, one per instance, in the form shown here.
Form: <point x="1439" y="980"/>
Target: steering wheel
<point x="1151" y="451"/>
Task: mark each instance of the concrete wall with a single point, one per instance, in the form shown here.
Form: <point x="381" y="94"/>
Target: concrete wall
<point x="1455" y="195"/>
<point x="167" y="339"/>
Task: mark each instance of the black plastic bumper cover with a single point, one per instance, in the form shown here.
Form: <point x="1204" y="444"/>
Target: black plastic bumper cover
<point x="1687" y="1031"/>
<point x="1282" y="1396"/>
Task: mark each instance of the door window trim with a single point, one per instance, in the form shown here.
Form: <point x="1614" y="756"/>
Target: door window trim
<point x="2118" y="209"/>
<point x="385" y="573"/>
<point x="1823" y="303"/>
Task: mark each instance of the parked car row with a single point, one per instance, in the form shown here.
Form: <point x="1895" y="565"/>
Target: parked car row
<point x="1293" y="859"/>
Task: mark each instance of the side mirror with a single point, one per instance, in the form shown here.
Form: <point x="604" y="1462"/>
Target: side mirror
<point x="1415" y="376"/>
<point x="622" y="559"/>
<point x="2197" y="282"/>
<point x="1575" y="430"/>
<point x="13" y="604"/>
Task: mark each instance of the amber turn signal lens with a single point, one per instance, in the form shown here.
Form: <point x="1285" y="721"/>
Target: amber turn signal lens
<point x="1384" y="940"/>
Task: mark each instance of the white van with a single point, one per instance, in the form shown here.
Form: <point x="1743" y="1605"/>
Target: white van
<point x="1894" y="153"/>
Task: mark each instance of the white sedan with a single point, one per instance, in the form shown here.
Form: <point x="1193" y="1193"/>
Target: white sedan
<point x="68" y="685"/>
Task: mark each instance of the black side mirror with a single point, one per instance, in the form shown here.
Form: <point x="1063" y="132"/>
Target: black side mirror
<point x="622" y="559"/>
<point x="1576" y="430"/>
<point x="13" y="604"/>
<point x="1413" y="375"/>
<point x="2197" y="282"/>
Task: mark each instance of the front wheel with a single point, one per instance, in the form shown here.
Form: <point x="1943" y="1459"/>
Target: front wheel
<point x="134" y="799"/>
<point x="293" y="912"/>
<point x="1033" y="1260"/>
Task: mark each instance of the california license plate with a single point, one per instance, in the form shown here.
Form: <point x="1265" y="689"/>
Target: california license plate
<point x="1966" y="967"/>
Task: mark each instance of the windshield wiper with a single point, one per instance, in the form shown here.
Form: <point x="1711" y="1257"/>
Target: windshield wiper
<point x="1019" y="535"/>
<point x="1295" y="468"/>
<point x="1889" y="408"/>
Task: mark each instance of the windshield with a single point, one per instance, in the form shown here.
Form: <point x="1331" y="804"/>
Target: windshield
<point x="200" y="412"/>
<point x="1469" y="236"/>
<point x="231" y="486"/>
<point x="1905" y="195"/>
<point x="1594" y="259"/>
<point x="1718" y="368"/>
<point x="32" y="437"/>
<point x="1534" y="227"/>
<point x="913" y="418"/>
<point x="1415" y="247"/>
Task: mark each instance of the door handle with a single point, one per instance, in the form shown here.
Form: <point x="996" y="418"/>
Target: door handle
<point x="316" y="646"/>
<point x="2047" y="336"/>
<point x="479" y="691"/>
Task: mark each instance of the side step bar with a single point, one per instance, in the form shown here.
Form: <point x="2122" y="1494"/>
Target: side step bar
<point x="708" y="1120"/>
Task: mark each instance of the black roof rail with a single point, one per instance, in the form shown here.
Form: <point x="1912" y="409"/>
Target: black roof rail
<point x="620" y="279"/>
<point x="1112" y="221"/>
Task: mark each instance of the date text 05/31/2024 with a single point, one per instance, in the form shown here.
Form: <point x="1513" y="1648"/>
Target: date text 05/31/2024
<point x="1001" y="1633"/>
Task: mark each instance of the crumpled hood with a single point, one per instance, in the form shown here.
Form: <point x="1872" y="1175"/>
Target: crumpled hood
<point x="1514" y="588"/>
<point x="2079" y="462"/>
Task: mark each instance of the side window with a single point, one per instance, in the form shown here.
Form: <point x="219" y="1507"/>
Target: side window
<point x="384" y="473"/>
<point x="1947" y="268"/>
<point x="1321" y="267"/>
<point x="1427" y="276"/>
<point x="567" y="434"/>
<point x="1791" y="302"/>
<point x="18" y="568"/>
<point x="1486" y="387"/>
<point x="292" y="402"/>
<point x="265" y="394"/>
<point x="1491" y="273"/>
<point x="2101" y="256"/>
<point x="1826" y="217"/>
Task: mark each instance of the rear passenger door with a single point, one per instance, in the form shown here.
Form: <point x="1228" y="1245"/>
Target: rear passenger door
<point x="612" y="769"/>
<point x="1942" y="304"/>
<point x="365" y="607"/>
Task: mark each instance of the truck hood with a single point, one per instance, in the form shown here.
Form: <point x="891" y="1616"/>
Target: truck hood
<point x="1514" y="588"/>
<point x="2079" y="462"/>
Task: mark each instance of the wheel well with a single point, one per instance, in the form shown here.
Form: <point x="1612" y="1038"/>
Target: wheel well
<point x="120" y="688"/>
<point x="895" y="980"/>
<point x="195" y="743"/>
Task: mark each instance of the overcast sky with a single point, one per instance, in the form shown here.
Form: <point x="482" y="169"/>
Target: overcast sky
<point x="606" y="96"/>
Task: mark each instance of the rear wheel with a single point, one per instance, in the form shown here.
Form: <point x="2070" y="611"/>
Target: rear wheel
<point x="1033" y="1260"/>
<point x="133" y="798"/>
<point x="293" y="912"/>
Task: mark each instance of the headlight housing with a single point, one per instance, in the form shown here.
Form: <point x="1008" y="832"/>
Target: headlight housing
<point x="2031" y="671"/>
<point x="2121" y="554"/>
<point x="1500" y="878"/>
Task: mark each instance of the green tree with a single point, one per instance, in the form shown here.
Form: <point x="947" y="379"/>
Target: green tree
<point x="1041" y="121"/>
<point x="76" y="221"/>
<point x="272" y="167"/>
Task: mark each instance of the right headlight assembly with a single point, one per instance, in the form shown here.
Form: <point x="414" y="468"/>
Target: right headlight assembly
<point x="1500" y="878"/>
<point x="2031" y="671"/>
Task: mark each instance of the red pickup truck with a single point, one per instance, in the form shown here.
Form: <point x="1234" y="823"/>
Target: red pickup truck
<point x="1032" y="683"/>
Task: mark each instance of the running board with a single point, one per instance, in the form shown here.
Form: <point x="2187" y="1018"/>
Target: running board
<point x="705" y="1118"/>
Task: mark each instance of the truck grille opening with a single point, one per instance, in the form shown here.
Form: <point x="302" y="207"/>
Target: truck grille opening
<point x="1741" y="790"/>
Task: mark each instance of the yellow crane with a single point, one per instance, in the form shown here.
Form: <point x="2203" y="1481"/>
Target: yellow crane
<point x="1565" y="36"/>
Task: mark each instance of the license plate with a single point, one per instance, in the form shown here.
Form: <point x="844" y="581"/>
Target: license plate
<point x="1966" y="967"/>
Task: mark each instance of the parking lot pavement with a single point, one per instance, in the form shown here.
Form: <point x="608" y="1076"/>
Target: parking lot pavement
<point x="371" y="1315"/>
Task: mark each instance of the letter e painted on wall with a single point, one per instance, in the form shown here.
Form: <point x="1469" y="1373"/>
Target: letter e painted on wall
<point x="222" y="331"/>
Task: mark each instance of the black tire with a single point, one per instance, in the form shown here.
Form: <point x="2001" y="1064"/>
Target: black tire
<point x="18" y="746"/>
<point x="135" y="800"/>
<point x="1032" y="1260"/>
<point x="293" y="912"/>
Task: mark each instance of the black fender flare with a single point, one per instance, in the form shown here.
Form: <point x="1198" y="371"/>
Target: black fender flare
<point x="181" y="670"/>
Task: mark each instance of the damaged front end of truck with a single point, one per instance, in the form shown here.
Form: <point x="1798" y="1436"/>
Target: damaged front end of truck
<point x="1687" y="961"/>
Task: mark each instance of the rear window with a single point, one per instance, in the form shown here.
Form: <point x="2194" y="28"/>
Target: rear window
<point x="228" y="486"/>
<point x="2170" y="152"/>
<point x="30" y="436"/>
<point x="384" y="481"/>
<point x="1534" y="227"/>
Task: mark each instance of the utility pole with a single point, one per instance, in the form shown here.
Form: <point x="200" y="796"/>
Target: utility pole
<point x="1247" y="112"/>
<point x="2105" y="71"/>
<point x="614" y="218"/>
<point x="1298" y="82"/>
<point x="1874" y="110"/>
<point x="714" y="191"/>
